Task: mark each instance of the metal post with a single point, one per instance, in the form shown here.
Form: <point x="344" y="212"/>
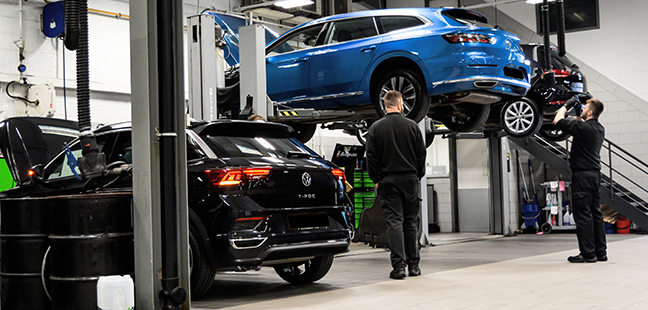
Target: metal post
<point x="206" y="67"/>
<point x="424" y="240"/>
<point x="146" y="175"/>
<point x="454" y="182"/>
<point x="146" y="35"/>
<point x="253" y="70"/>
<point x="495" y="185"/>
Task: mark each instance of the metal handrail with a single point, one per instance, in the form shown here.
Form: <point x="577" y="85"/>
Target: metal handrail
<point x="619" y="152"/>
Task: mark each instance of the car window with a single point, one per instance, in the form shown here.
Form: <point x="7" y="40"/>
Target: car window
<point x="60" y="167"/>
<point x="351" y="29"/>
<point x="391" y="23"/>
<point x="226" y="146"/>
<point x="305" y="38"/>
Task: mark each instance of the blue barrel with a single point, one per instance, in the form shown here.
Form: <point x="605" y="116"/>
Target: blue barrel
<point x="24" y="230"/>
<point x="91" y="236"/>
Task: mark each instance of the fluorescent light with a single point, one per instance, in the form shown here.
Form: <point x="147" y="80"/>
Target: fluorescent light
<point x="289" y="4"/>
<point x="537" y="1"/>
<point x="271" y="14"/>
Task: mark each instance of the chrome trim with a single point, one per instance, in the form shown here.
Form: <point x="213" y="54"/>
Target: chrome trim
<point x="233" y="242"/>
<point x="349" y="94"/>
<point x="95" y="236"/>
<point x="484" y="78"/>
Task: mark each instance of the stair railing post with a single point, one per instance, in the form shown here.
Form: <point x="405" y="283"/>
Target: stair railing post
<point x="610" y="169"/>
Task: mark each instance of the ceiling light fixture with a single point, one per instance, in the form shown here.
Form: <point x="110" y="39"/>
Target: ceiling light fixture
<point x="289" y="4"/>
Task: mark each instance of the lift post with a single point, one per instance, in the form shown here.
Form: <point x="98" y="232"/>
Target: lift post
<point x="206" y="66"/>
<point x="253" y="71"/>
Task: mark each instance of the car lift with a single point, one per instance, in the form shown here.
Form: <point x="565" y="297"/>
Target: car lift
<point x="205" y="57"/>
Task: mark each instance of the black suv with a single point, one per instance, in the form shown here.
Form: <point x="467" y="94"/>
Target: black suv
<point x="257" y="196"/>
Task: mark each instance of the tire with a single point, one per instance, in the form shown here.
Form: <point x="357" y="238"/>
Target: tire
<point x="466" y="117"/>
<point x="201" y="272"/>
<point x="305" y="272"/>
<point x="521" y="118"/>
<point x="546" y="228"/>
<point x="303" y="132"/>
<point x="552" y="133"/>
<point x="416" y="101"/>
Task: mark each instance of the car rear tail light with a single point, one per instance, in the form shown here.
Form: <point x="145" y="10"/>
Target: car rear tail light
<point x="247" y="223"/>
<point x="467" y="38"/>
<point x="235" y="177"/>
<point x="339" y="174"/>
<point x="561" y="73"/>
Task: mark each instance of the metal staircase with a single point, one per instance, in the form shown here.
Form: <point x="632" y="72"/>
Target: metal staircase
<point x="619" y="190"/>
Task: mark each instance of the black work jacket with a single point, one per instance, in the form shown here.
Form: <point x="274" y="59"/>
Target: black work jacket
<point x="395" y="146"/>
<point x="586" y="145"/>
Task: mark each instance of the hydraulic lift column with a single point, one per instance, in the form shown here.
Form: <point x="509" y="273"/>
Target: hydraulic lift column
<point x="206" y="66"/>
<point x="253" y="71"/>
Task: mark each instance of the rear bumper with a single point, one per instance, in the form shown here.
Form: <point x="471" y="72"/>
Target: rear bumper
<point x="282" y="237"/>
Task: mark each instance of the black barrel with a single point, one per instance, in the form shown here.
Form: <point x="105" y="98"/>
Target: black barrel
<point x="24" y="228"/>
<point x="91" y="236"/>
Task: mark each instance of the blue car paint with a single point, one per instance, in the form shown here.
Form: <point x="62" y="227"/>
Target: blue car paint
<point x="446" y="68"/>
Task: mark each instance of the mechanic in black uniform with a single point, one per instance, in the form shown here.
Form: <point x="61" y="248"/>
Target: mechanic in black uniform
<point x="396" y="163"/>
<point x="585" y="163"/>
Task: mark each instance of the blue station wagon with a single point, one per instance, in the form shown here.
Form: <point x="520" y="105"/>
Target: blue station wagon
<point x="445" y="61"/>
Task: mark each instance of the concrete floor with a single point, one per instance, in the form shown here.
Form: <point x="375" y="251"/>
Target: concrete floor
<point x="462" y="271"/>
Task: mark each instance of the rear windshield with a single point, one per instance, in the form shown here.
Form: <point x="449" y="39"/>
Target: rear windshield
<point x="466" y="17"/>
<point x="226" y="146"/>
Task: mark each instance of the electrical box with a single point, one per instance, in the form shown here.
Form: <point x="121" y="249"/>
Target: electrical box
<point x="46" y="96"/>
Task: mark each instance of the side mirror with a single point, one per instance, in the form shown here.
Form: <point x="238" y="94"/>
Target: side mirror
<point x="36" y="173"/>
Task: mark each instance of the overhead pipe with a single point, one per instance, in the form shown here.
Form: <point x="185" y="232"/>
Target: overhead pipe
<point x="562" y="50"/>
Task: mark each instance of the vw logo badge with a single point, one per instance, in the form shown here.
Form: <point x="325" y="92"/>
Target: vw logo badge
<point x="306" y="179"/>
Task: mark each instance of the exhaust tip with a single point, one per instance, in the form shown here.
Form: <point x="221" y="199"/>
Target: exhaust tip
<point x="485" y="84"/>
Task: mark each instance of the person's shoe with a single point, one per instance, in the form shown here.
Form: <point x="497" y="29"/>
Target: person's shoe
<point x="413" y="270"/>
<point x="601" y="258"/>
<point x="580" y="259"/>
<point x="398" y="272"/>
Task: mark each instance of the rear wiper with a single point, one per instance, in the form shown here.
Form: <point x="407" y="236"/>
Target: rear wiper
<point x="297" y="154"/>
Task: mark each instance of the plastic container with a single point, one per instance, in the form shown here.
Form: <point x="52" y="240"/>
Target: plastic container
<point x="623" y="225"/>
<point x="609" y="228"/>
<point x="115" y="293"/>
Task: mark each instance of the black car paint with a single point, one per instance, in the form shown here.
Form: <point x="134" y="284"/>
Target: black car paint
<point x="214" y="210"/>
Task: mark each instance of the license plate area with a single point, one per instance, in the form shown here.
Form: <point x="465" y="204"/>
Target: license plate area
<point x="308" y="221"/>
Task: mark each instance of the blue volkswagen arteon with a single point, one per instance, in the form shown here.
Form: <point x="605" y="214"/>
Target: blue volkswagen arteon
<point x="443" y="58"/>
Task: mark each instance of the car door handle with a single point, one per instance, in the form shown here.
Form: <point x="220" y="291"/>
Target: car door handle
<point x="303" y="59"/>
<point x="368" y="49"/>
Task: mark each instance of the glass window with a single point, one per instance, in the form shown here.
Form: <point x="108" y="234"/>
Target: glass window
<point x="352" y="29"/>
<point x="391" y="23"/>
<point x="305" y="38"/>
<point x="254" y="146"/>
<point x="62" y="168"/>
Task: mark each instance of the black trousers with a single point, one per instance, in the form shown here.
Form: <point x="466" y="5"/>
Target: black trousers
<point x="401" y="205"/>
<point x="590" y="228"/>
